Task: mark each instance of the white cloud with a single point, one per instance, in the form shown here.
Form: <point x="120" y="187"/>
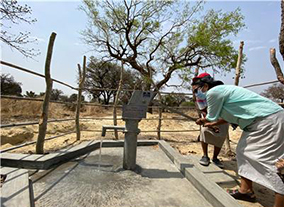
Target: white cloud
<point x="37" y="39"/>
<point x="272" y="40"/>
<point x="253" y="41"/>
<point x="257" y="48"/>
<point x="78" y="44"/>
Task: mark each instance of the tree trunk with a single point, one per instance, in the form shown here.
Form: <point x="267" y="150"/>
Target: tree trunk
<point x="116" y="101"/>
<point x="82" y="75"/>
<point x="276" y="65"/>
<point x="45" y="104"/>
<point x="148" y="88"/>
<point x="281" y="36"/>
<point x="150" y="108"/>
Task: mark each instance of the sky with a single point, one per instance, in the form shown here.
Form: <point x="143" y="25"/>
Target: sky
<point x="262" y="19"/>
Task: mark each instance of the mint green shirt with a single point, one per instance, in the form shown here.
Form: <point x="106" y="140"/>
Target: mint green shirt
<point x="237" y="105"/>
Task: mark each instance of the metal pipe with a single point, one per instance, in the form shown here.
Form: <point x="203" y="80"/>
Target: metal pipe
<point x="106" y="127"/>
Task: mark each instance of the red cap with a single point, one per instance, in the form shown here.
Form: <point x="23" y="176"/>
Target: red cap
<point x="202" y="75"/>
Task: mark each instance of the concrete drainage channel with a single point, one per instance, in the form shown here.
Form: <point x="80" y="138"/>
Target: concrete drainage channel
<point x="74" y="177"/>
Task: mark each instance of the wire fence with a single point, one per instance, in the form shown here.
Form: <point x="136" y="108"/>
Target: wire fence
<point x="261" y="84"/>
<point x="94" y="104"/>
<point x="87" y="118"/>
<point x="75" y="88"/>
<point x="87" y="103"/>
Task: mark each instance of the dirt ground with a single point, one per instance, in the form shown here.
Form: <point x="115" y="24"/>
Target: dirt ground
<point x="13" y="111"/>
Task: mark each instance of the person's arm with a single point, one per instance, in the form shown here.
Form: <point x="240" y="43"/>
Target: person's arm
<point x="215" y="123"/>
<point x="201" y="121"/>
<point x="206" y="123"/>
<point x="215" y="102"/>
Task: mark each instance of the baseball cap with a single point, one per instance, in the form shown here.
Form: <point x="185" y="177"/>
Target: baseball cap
<point x="202" y="75"/>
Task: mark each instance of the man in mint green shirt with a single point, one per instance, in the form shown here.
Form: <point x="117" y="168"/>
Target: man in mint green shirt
<point x="262" y="140"/>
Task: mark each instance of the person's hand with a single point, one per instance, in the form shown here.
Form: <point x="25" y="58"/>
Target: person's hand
<point x="212" y="126"/>
<point x="280" y="164"/>
<point x="200" y="121"/>
<point x="209" y="124"/>
<point x="215" y="129"/>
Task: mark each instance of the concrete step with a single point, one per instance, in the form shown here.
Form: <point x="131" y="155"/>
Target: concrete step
<point x="208" y="187"/>
<point x="16" y="190"/>
<point x="213" y="172"/>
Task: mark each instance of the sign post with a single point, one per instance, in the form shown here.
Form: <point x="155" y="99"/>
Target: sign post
<point x="132" y="115"/>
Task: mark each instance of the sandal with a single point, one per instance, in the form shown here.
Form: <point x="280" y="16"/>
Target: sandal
<point x="2" y="179"/>
<point x="242" y="196"/>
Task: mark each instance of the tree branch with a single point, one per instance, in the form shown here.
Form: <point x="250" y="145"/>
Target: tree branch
<point x="171" y="70"/>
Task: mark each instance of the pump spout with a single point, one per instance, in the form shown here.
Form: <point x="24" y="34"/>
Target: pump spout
<point x="106" y="127"/>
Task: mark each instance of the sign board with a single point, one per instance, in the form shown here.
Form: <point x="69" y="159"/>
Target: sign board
<point x="141" y="98"/>
<point x="137" y="106"/>
<point x="134" y="111"/>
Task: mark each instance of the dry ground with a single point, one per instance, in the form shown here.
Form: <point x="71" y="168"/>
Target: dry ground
<point x="15" y="111"/>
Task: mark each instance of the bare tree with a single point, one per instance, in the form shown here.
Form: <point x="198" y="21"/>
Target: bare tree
<point x="13" y="13"/>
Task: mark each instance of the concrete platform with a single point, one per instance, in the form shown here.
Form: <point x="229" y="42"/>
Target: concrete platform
<point x="16" y="191"/>
<point x="75" y="177"/>
<point x="46" y="161"/>
<point x="157" y="182"/>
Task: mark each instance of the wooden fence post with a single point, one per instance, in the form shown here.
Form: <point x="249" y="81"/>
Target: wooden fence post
<point x="239" y="62"/>
<point x="116" y="100"/>
<point x="160" y="122"/>
<point x="196" y="72"/>
<point x="160" y="117"/>
<point x="82" y="75"/>
<point x="281" y="35"/>
<point x="276" y="65"/>
<point x="229" y="151"/>
<point x="45" y="105"/>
